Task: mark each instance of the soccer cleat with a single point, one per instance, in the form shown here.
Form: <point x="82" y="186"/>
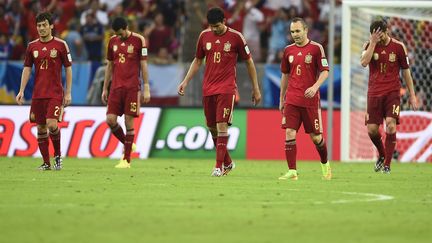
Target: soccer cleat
<point x="326" y="171"/>
<point x="123" y="164"/>
<point x="44" y="166"/>
<point x="386" y="170"/>
<point x="134" y="148"/>
<point x="217" y="172"/>
<point x="379" y="164"/>
<point x="58" y="162"/>
<point x="228" y="168"/>
<point x="290" y="175"/>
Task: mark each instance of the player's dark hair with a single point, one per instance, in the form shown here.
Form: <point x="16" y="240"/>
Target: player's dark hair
<point x="41" y="17"/>
<point x="215" y="15"/>
<point x="119" y="23"/>
<point x="301" y="20"/>
<point x="379" y="23"/>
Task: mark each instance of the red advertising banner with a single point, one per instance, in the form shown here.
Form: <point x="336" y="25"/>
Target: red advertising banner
<point x="266" y="139"/>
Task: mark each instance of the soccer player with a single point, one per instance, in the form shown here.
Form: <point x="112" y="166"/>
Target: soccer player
<point x="220" y="46"/>
<point x="304" y="69"/>
<point x="48" y="54"/>
<point x="127" y="55"/>
<point x="385" y="56"/>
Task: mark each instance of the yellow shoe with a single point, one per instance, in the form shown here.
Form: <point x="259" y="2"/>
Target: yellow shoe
<point x="326" y="171"/>
<point x="123" y="164"/>
<point x="134" y="147"/>
<point x="290" y="175"/>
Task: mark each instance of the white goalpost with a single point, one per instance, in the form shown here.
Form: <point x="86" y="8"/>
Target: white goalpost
<point x="411" y="23"/>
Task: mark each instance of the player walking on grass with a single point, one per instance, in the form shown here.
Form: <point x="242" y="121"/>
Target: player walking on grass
<point x="220" y="46"/>
<point x="385" y="56"/>
<point x="127" y="54"/>
<point x="304" y="68"/>
<point x="48" y="54"/>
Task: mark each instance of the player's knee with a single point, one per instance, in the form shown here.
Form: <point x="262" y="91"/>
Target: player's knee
<point x="213" y="131"/>
<point x="52" y="125"/>
<point x="316" y="139"/>
<point x="111" y="121"/>
<point x="290" y="134"/>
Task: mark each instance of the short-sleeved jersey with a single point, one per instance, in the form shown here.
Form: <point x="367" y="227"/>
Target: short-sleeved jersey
<point x="385" y="66"/>
<point x="221" y="52"/>
<point x="126" y="55"/>
<point x="303" y="65"/>
<point x="48" y="59"/>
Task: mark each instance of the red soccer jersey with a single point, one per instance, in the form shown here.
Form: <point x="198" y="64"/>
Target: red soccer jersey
<point x="221" y="53"/>
<point x="385" y="66"/>
<point x="48" y="58"/>
<point x="303" y="64"/>
<point x="126" y="56"/>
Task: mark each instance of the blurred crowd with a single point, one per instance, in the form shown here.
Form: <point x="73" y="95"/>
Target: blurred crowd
<point x="85" y="24"/>
<point x="265" y="23"/>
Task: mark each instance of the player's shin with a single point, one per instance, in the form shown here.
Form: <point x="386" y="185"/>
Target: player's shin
<point x="221" y="149"/>
<point x="322" y="150"/>
<point x="129" y="138"/>
<point x="227" y="159"/>
<point x="376" y="140"/>
<point x="55" y="138"/>
<point x="390" y="144"/>
<point x="291" y="153"/>
<point x="43" y="147"/>
<point x="117" y="130"/>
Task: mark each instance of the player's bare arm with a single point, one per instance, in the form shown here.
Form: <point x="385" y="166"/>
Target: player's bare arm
<point x="311" y="91"/>
<point x="256" y="93"/>
<point x="406" y="74"/>
<point x="25" y="76"/>
<point x="283" y="89"/>
<point x="67" y="99"/>
<point x="374" y="38"/>
<point x="194" y="67"/>
<point x="145" y="96"/>
<point x="107" y="81"/>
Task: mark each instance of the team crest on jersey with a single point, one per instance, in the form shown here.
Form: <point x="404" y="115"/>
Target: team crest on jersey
<point x="35" y="54"/>
<point x="308" y="58"/>
<point x="291" y="58"/>
<point x="115" y="47"/>
<point x="53" y="53"/>
<point x="392" y="57"/>
<point x="130" y="48"/>
<point x="227" y="46"/>
<point x="375" y="56"/>
<point x="208" y="46"/>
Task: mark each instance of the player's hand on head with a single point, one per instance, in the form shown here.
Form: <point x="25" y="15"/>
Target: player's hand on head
<point x="376" y="36"/>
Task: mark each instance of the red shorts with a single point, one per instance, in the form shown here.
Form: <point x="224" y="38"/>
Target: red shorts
<point x="381" y="107"/>
<point x="43" y="109"/>
<point x="295" y="115"/>
<point x="124" y="101"/>
<point x="218" y="108"/>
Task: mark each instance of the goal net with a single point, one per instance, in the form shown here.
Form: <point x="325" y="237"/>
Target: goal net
<point x="411" y="23"/>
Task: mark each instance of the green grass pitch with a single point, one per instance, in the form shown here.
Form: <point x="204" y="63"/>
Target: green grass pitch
<point x="176" y="200"/>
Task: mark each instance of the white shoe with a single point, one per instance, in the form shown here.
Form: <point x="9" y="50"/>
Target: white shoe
<point x="217" y="172"/>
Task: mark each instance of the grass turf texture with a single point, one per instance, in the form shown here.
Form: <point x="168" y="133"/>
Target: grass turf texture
<point x="176" y="200"/>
